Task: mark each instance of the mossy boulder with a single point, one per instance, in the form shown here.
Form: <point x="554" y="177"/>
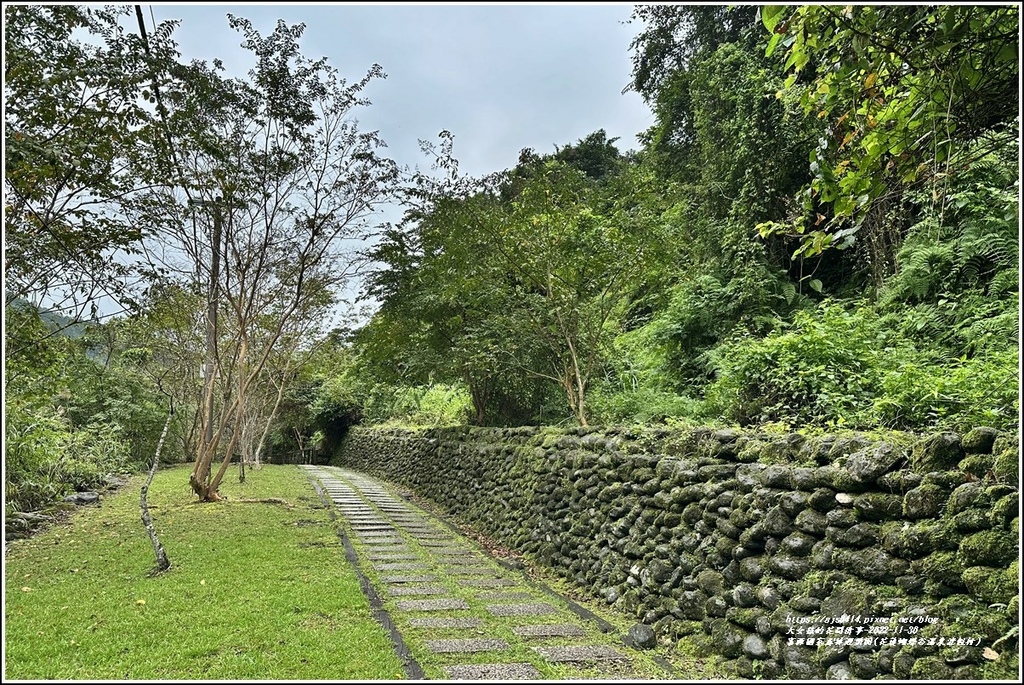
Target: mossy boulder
<point x="924" y="501"/>
<point x="966" y="496"/>
<point x="937" y="452"/>
<point x="991" y="585"/>
<point x="910" y="541"/>
<point x="979" y="440"/>
<point x="728" y="637"/>
<point x="871" y="564"/>
<point x="1004" y="510"/>
<point x="1006" y="467"/>
<point x="853" y="597"/>
<point x="931" y="668"/>
<point x="970" y="521"/>
<point x="988" y="548"/>
<point x="877" y="506"/>
<point x="940" y="567"/>
<point x="978" y="465"/>
<point x="868" y="465"/>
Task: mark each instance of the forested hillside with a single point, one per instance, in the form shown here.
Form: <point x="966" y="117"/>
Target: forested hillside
<point x="820" y="230"/>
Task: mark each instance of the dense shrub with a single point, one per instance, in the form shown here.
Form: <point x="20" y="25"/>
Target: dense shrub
<point x="853" y="367"/>
<point x="46" y="457"/>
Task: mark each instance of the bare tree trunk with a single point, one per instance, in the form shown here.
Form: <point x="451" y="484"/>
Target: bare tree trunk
<point x="162" y="562"/>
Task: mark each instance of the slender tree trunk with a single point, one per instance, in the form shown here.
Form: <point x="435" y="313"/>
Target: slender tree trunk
<point x="162" y="562"/>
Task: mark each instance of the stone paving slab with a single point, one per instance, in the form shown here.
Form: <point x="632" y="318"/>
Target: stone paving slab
<point x="461" y="646"/>
<point x="472" y="571"/>
<point x="530" y="609"/>
<point x="549" y="630"/>
<point x="398" y="553"/>
<point x="416" y="589"/>
<point x="380" y="541"/>
<point x="487" y="582"/>
<point x="376" y="539"/>
<point x="456" y="554"/>
<point x="432" y="604"/>
<point x="394" y="580"/>
<point x="508" y="596"/>
<point x="519" y="671"/>
<point x="402" y="566"/>
<point x="446" y="622"/>
<point x="580" y="653"/>
<point x="386" y="529"/>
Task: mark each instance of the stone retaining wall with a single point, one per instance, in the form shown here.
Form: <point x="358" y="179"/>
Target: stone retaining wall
<point x="828" y="557"/>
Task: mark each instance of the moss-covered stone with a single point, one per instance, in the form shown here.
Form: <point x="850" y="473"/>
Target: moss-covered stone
<point x="899" y="482"/>
<point x="931" y="668"/>
<point x="979" y="440"/>
<point x="868" y="465"/>
<point x="924" y="501"/>
<point x="941" y="567"/>
<point x="937" y="452"/>
<point x="877" y="506"/>
<point x="745" y="617"/>
<point x="966" y="496"/>
<point x="971" y="521"/>
<point x="910" y="540"/>
<point x="988" y="548"/>
<point x="853" y="597"/>
<point x="990" y="585"/>
<point x="978" y="465"/>
<point x="871" y="564"/>
<point x="823" y="500"/>
<point x="1006" y="467"/>
<point x="947" y="479"/>
<point x="728" y="637"/>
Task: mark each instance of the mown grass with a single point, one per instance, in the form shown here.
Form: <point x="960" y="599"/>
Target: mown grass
<point x="257" y="591"/>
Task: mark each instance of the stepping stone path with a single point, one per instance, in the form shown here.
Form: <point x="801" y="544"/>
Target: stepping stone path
<point x="420" y="568"/>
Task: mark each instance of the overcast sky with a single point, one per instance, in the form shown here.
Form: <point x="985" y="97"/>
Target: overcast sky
<point x="499" y="77"/>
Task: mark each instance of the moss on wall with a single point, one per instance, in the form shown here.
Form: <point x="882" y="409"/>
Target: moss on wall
<point x="866" y="556"/>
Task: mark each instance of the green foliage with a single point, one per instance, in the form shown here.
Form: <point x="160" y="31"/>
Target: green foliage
<point x="854" y="368"/>
<point x="904" y="92"/>
<point x="820" y="368"/>
<point x="433" y="405"/>
<point x="46" y="456"/>
<point x="77" y="136"/>
<point x="642" y="405"/>
<point x="73" y="414"/>
<point x="923" y="390"/>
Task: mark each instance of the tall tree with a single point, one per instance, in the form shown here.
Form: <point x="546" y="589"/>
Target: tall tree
<point x="278" y="177"/>
<point x="77" y="127"/>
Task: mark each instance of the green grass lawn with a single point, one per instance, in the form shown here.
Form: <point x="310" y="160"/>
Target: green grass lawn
<point x="257" y="591"/>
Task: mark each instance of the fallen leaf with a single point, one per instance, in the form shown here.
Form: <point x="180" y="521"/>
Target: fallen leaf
<point x="990" y="654"/>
